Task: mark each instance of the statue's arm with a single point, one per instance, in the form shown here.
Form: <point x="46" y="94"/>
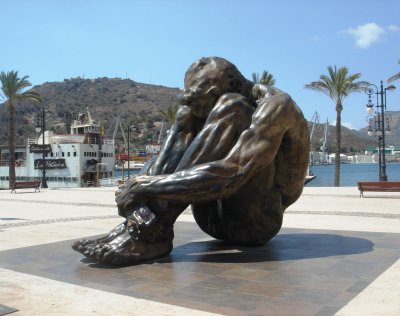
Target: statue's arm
<point x="178" y="139"/>
<point x="256" y="149"/>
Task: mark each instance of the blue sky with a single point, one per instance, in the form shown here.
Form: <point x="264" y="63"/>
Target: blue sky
<point x="154" y="41"/>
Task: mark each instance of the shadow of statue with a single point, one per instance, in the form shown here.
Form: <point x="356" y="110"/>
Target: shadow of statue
<point x="284" y="247"/>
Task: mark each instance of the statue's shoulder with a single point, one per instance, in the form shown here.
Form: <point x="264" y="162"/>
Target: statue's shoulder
<point x="261" y="93"/>
<point x="273" y="100"/>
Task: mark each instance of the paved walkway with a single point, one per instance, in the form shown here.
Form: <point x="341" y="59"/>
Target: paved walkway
<point x="348" y="246"/>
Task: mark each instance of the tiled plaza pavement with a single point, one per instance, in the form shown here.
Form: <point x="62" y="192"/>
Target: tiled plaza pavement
<point x="300" y="272"/>
<point x="336" y="254"/>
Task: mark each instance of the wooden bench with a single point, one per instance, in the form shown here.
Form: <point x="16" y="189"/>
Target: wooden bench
<point x="378" y="186"/>
<point x="26" y="185"/>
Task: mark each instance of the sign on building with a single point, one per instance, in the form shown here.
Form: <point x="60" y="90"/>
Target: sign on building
<point x="36" y="148"/>
<point x="50" y="163"/>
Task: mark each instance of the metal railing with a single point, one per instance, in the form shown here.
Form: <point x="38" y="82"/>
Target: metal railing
<point x="4" y="163"/>
<point x="109" y="182"/>
<point x="18" y="163"/>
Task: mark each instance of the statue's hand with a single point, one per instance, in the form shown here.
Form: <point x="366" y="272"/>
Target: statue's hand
<point x="135" y="182"/>
<point x="133" y="193"/>
<point x="129" y="197"/>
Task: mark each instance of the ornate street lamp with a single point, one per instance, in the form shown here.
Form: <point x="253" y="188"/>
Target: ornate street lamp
<point x="378" y="124"/>
<point x="129" y="137"/>
<point x="41" y="127"/>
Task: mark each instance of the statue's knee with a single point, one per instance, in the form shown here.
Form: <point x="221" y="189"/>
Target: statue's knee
<point x="231" y="103"/>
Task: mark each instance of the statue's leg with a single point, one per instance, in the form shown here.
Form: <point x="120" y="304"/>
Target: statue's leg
<point x="131" y="241"/>
<point x="145" y="239"/>
<point x="254" y="214"/>
<point x="119" y="238"/>
<point x="229" y="118"/>
<point x="120" y="229"/>
<point x="89" y="247"/>
<point x="251" y="216"/>
<point x="122" y="245"/>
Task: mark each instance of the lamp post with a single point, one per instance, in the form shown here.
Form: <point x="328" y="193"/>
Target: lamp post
<point x="378" y="124"/>
<point x="129" y="137"/>
<point x="41" y="127"/>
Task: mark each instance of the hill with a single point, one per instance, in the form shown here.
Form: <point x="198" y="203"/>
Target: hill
<point x="394" y="123"/>
<point x="139" y="104"/>
<point x="353" y="141"/>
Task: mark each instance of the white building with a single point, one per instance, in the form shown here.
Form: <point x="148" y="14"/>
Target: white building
<point x="78" y="159"/>
<point x="343" y="158"/>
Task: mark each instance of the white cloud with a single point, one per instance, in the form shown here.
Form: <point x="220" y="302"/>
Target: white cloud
<point x="366" y="34"/>
<point x="345" y="124"/>
<point x="348" y="125"/>
<point x="394" y="28"/>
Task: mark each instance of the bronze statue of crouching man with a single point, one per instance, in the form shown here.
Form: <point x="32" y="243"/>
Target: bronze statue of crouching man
<point x="237" y="153"/>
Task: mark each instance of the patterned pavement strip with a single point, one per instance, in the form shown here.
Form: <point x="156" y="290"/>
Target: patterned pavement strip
<point x="62" y="203"/>
<point x="89" y="218"/>
<point x="57" y="220"/>
<point x="344" y="213"/>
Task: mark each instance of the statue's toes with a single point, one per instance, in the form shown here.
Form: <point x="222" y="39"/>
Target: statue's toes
<point x="75" y="245"/>
<point x="85" y="244"/>
<point x="90" y="250"/>
<point x="80" y="245"/>
<point x="99" y="252"/>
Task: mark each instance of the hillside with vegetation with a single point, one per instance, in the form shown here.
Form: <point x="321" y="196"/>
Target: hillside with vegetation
<point x="139" y="105"/>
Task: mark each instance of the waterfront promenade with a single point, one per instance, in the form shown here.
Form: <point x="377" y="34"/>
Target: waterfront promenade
<point x="337" y="254"/>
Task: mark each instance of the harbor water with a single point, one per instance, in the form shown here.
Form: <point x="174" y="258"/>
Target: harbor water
<point x="351" y="173"/>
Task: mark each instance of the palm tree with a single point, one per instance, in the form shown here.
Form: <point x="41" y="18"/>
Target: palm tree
<point x="170" y="113"/>
<point x="394" y="77"/>
<point x="338" y="85"/>
<point x="266" y="78"/>
<point x="12" y="88"/>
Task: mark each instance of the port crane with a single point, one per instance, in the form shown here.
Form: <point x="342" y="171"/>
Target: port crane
<point x="314" y="120"/>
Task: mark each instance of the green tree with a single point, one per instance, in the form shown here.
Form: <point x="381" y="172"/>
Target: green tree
<point x="266" y="78"/>
<point x="170" y="113"/>
<point x="394" y="77"/>
<point x="13" y="89"/>
<point x="338" y="84"/>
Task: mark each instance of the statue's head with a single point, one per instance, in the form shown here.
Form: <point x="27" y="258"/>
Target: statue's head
<point x="207" y="80"/>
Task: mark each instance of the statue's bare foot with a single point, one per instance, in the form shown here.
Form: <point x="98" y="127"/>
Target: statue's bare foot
<point x="142" y="238"/>
<point x="126" y="250"/>
<point x="82" y="245"/>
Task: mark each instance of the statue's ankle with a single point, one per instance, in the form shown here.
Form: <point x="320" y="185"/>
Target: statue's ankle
<point x="145" y="226"/>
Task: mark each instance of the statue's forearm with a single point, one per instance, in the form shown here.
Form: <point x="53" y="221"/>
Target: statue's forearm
<point x="202" y="183"/>
<point x="175" y="145"/>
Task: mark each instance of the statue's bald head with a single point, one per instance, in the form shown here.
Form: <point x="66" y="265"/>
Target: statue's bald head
<point x="215" y="73"/>
<point x="207" y="80"/>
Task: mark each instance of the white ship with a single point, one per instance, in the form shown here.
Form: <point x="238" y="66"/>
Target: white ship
<point x="77" y="159"/>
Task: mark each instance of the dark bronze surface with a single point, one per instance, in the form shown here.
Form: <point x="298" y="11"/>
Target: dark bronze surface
<point x="6" y="310"/>
<point x="237" y="153"/>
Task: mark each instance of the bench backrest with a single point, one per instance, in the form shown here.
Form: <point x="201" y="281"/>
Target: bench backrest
<point x="29" y="184"/>
<point x="379" y="185"/>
